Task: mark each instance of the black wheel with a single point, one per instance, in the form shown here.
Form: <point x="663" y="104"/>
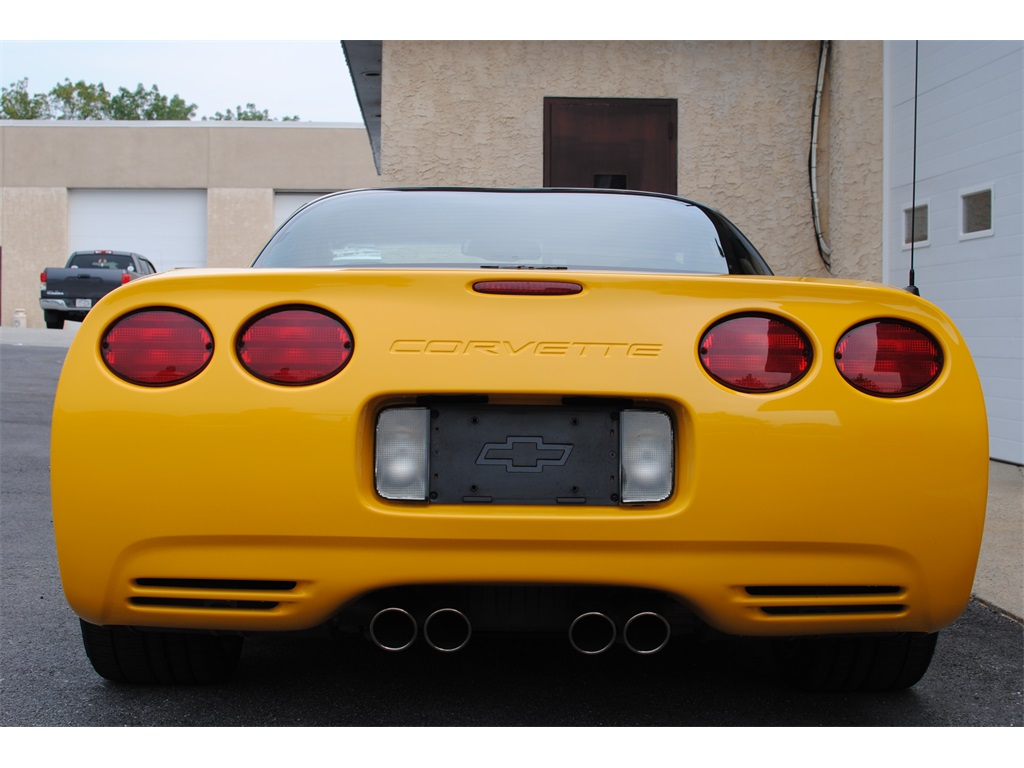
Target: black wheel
<point x="53" y="319"/>
<point x="127" y="655"/>
<point x="865" y="663"/>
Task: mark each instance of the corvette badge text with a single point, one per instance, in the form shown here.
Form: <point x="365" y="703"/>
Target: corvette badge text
<point x="523" y="348"/>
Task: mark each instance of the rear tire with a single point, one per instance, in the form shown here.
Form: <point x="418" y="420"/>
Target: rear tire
<point x="127" y="655"/>
<point x="846" y="664"/>
<point x="53" y="320"/>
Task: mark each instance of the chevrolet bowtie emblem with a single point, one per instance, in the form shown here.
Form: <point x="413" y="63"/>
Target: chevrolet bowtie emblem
<point x="525" y="454"/>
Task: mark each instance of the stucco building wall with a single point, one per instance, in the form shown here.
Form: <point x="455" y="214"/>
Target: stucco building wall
<point x="472" y="113"/>
<point x="239" y="166"/>
<point x="237" y="224"/>
<point x="856" y="159"/>
<point x="34" y="228"/>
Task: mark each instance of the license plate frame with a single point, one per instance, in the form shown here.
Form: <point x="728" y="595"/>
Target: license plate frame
<point x="524" y="455"/>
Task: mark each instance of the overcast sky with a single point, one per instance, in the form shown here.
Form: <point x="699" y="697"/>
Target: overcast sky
<point x="308" y="79"/>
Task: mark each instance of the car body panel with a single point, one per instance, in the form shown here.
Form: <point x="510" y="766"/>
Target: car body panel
<point x="815" y="486"/>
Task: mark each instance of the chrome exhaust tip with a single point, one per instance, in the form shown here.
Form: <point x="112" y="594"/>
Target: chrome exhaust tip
<point x="393" y="629"/>
<point x="646" y="633"/>
<point x="447" y="630"/>
<point x="592" y="633"/>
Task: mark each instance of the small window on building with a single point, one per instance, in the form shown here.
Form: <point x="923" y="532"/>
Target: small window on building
<point x="976" y="213"/>
<point x="915" y="225"/>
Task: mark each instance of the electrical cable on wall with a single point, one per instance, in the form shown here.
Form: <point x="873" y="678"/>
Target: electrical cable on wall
<point x="824" y="251"/>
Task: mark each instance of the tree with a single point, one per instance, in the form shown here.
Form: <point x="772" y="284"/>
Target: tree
<point x="78" y="101"/>
<point x="141" y="104"/>
<point x="17" y="104"/>
<point x="88" y="101"/>
<point x="249" y="113"/>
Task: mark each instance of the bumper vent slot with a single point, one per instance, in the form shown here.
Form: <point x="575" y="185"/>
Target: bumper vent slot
<point x="185" y="602"/>
<point x="824" y="610"/>
<point x="255" y="585"/>
<point x="801" y="591"/>
<point x="212" y="594"/>
<point x="800" y="600"/>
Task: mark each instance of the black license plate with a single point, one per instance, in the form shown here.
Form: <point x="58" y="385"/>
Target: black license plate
<point x="553" y="455"/>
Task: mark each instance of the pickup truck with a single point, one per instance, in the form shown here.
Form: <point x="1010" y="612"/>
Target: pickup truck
<point x="69" y="293"/>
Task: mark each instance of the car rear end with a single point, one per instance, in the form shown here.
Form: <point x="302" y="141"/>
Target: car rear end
<point x="435" y="452"/>
<point x="69" y="293"/>
<point x="813" y="507"/>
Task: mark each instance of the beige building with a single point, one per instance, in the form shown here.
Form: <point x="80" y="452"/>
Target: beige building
<point x="482" y="113"/>
<point x="182" y="194"/>
<point x="726" y="123"/>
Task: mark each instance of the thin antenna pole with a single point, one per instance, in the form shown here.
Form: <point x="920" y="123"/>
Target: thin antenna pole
<point x="913" y="184"/>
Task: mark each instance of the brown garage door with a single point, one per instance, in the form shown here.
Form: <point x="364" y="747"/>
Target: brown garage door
<point x="613" y="143"/>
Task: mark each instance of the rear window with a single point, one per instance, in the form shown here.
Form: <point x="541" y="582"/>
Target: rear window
<point x="88" y="260"/>
<point x="503" y="229"/>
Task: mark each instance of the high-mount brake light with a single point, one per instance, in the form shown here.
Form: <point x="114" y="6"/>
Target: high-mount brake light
<point x="755" y="353"/>
<point x="889" y="357"/>
<point x="294" y="345"/>
<point x="528" y="287"/>
<point x="157" y="347"/>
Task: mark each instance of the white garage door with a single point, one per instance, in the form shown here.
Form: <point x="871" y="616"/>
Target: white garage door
<point x="167" y="226"/>
<point x="286" y="203"/>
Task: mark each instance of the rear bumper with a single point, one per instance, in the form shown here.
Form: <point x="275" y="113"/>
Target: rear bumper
<point x="275" y="584"/>
<point x="783" y="546"/>
<point x="814" y="509"/>
<point x="60" y="305"/>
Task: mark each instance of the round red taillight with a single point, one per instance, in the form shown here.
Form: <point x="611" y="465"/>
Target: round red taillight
<point x="294" y="345"/>
<point x="889" y="358"/>
<point x="157" y="347"/>
<point x="755" y="353"/>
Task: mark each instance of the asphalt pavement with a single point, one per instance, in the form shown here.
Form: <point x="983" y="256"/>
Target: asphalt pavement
<point x="999" y="581"/>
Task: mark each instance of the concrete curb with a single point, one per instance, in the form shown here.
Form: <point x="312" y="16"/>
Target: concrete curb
<point x="39" y="337"/>
<point x="999" y="580"/>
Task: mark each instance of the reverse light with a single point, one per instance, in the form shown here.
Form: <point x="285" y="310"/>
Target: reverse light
<point x="401" y="456"/>
<point x="294" y="345"/>
<point x="157" y="347"/>
<point x="888" y="357"/>
<point x="755" y="353"/>
<point x="647" y="456"/>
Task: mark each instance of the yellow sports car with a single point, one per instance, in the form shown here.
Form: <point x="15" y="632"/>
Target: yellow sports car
<point x="424" y="414"/>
